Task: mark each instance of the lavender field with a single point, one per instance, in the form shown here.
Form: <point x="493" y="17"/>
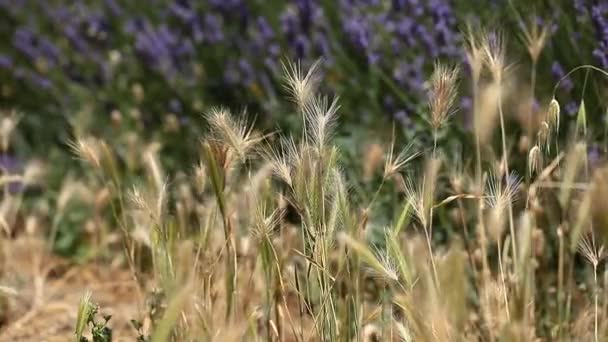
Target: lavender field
<point x="303" y="170"/>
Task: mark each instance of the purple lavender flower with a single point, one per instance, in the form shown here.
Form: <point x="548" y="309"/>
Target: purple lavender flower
<point x="11" y="165"/>
<point x="6" y="62"/>
<point x="571" y="108"/>
<point x="212" y="24"/>
<point x="594" y="156"/>
<point x="113" y="7"/>
<point x="558" y="73"/>
<point x="175" y="105"/>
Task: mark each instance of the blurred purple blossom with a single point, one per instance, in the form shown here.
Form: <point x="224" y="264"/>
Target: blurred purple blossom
<point x="558" y="73"/>
<point x="10" y="165"/>
<point x="571" y="108"/>
<point x="6" y="62"/>
<point x="594" y="155"/>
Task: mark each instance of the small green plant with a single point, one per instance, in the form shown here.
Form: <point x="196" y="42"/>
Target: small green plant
<point x="87" y="311"/>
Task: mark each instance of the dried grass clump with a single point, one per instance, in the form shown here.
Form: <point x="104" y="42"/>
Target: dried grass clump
<point x="268" y="237"/>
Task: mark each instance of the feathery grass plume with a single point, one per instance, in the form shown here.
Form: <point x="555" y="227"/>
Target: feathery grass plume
<point x="88" y="150"/>
<point x="238" y="134"/>
<point x="368" y="256"/>
<point x="396" y="253"/>
<point x="494" y="55"/>
<point x="283" y="158"/>
<point x="492" y="306"/>
<point x="414" y="192"/>
<point x="421" y="199"/>
<point x="588" y="248"/>
<point x="150" y="202"/>
<point x="265" y="223"/>
<point x="301" y="88"/>
<point x="543" y="136"/>
<point x="553" y="114"/>
<point x="320" y="118"/>
<point x="535" y="37"/>
<point x="390" y="266"/>
<point x="404" y="333"/>
<point x="500" y="196"/>
<point x="498" y="199"/>
<point x="474" y="51"/>
<point x="535" y="160"/>
<point x="442" y="95"/>
<point x="85" y="311"/>
<point x="394" y="164"/>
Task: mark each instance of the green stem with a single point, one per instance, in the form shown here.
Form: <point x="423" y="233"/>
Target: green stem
<point x="589" y="67"/>
<point x="507" y="174"/>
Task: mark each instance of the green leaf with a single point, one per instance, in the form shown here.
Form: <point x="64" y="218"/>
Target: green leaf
<point x="403" y="219"/>
<point x="581" y="119"/>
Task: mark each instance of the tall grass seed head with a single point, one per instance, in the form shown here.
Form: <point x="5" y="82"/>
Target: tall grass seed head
<point x="415" y="194"/>
<point x="443" y="90"/>
<point x="301" y="87"/>
<point x="589" y="249"/>
<point x="553" y="114"/>
<point x="284" y="158"/>
<point x="474" y="53"/>
<point x="544" y="136"/>
<point x="238" y="134"/>
<point x="500" y="196"/>
<point x="319" y="119"/>
<point x="87" y="149"/>
<point x="496" y="223"/>
<point x="535" y="37"/>
<point x="394" y="164"/>
<point x="494" y="52"/>
<point x="534" y="160"/>
<point x="265" y="223"/>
